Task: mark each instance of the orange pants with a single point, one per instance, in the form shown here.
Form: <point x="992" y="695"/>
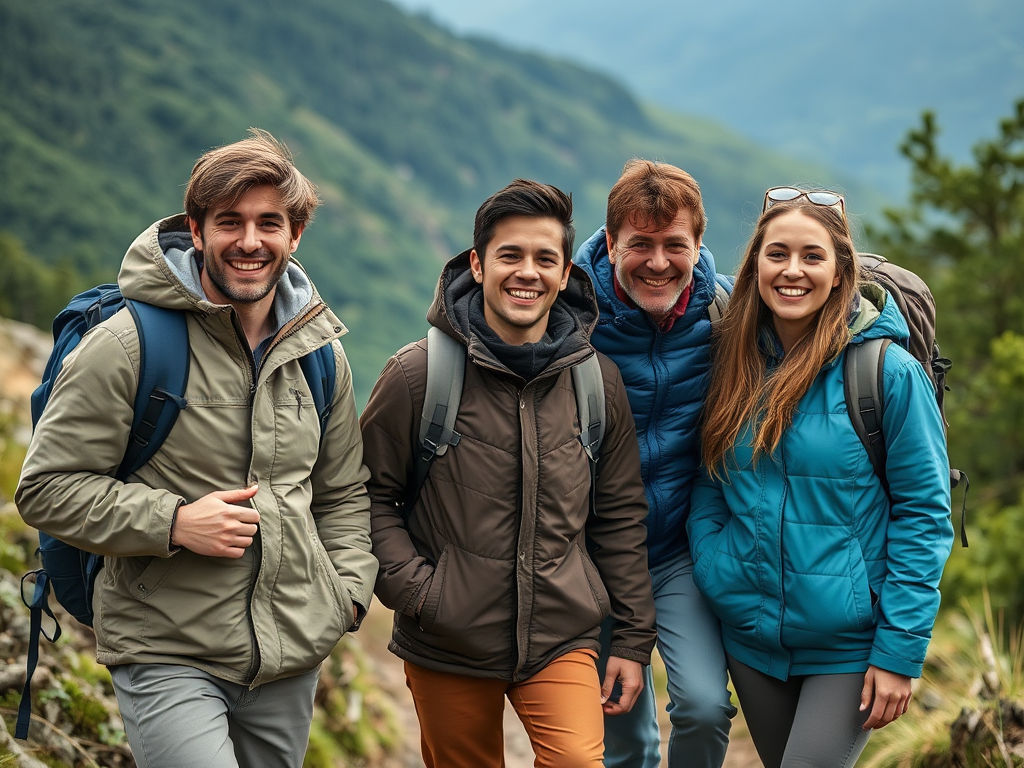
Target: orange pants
<point x="461" y="717"/>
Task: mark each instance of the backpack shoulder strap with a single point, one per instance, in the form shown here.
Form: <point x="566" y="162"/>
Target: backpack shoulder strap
<point x="321" y="372"/>
<point x="716" y="309"/>
<point x="863" y="388"/>
<point x="446" y="372"/>
<point x="163" y="373"/>
<point x="590" y="407"/>
<point x="589" y="386"/>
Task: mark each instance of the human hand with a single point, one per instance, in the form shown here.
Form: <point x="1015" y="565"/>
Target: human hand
<point x="215" y="526"/>
<point x="630" y="676"/>
<point x="891" y="695"/>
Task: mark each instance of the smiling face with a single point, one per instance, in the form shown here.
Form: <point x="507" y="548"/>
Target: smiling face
<point x="521" y="272"/>
<point x="246" y="247"/>
<point x="654" y="266"/>
<point x="796" y="272"/>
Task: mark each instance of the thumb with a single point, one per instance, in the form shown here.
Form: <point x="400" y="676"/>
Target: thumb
<point x="867" y="692"/>
<point x="237" y="494"/>
<point x="608" y="684"/>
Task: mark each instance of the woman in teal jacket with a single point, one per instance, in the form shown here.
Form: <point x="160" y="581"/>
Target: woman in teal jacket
<point x="827" y="588"/>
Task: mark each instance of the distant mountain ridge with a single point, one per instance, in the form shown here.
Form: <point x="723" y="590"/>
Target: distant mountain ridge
<point x="404" y="127"/>
<point x="837" y="82"/>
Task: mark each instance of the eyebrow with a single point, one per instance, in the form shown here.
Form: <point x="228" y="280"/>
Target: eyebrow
<point x="268" y="216"/>
<point x="779" y="244"/>
<point x="638" y="237"/>
<point x="519" y="249"/>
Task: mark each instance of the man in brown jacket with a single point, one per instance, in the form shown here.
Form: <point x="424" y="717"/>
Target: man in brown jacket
<point x="239" y="555"/>
<point x="499" y="572"/>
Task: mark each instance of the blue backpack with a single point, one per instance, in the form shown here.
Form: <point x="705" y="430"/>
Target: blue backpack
<point x="163" y="374"/>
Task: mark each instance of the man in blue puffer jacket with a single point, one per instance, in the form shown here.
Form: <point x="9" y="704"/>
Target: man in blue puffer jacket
<point x="656" y="286"/>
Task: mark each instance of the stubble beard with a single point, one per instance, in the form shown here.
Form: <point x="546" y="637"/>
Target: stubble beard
<point x="659" y="310"/>
<point x="245" y="294"/>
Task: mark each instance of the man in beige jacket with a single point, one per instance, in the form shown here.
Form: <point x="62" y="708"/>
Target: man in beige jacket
<point x="239" y="555"/>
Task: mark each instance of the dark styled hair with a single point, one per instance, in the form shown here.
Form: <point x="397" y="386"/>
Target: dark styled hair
<point x="525" y="198"/>
<point x="741" y="388"/>
<point x="223" y="175"/>
<point x="651" y="195"/>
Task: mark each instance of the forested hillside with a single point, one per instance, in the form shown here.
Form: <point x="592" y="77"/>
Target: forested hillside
<point x="838" y="81"/>
<point x="404" y="127"/>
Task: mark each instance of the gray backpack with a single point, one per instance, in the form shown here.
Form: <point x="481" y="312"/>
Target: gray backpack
<point x="862" y="372"/>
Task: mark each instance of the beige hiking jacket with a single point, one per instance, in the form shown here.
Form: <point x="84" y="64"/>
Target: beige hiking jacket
<point x="278" y="610"/>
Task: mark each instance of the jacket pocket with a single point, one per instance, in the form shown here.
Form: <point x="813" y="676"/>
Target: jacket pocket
<point x="428" y="614"/>
<point x="597" y="588"/>
<point x="325" y="572"/>
<point x="704" y="558"/>
<point x="865" y="598"/>
<point x="153" y="575"/>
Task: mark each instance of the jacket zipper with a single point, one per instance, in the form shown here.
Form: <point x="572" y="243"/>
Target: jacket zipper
<point x="257" y="546"/>
<point x="650" y="438"/>
<point x="782" y="544"/>
<point x="520" y="629"/>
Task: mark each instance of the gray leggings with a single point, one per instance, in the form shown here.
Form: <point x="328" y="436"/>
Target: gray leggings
<point x="808" y="721"/>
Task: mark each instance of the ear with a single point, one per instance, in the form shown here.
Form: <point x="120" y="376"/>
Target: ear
<point x="475" y="266"/>
<point x="697" y="257"/>
<point x="197" y="234"/>
<point x="565" y="277"/>
<point x="298" y="236"/>
<point x="836" y="281"/>
<point x="611" y="246"/>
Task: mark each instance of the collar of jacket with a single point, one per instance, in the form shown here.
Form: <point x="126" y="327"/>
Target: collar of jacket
<point x="456" y="283"/>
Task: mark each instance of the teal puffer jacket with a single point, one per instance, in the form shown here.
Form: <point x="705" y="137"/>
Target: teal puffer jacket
<point x="809" y="567"/>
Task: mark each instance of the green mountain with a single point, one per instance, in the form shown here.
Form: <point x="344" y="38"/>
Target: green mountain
<point x="840" y="82"/>
<point x="405" y="128"/>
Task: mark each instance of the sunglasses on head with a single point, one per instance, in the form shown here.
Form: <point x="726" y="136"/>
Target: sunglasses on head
<point x="820" y="197"/>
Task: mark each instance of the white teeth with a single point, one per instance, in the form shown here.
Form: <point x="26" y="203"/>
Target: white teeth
<point x="524" y="294"/>
<point x="793" y="291"/>
<point x="656" y="283"/>
<point x="247" y="266"/>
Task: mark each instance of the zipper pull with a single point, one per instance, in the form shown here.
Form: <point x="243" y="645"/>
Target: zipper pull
<point x="298" y="401"/>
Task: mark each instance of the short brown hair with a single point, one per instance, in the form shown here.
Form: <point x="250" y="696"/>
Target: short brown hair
<point x="650" y="194"/>
<point x="222" y="175"/>
<point x="524" y="197"/>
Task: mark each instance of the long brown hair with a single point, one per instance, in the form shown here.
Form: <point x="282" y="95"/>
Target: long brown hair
<point x="741" y="388"/>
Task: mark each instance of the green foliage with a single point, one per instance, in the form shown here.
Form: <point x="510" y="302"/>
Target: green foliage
<point x="12" y="454"/>
<point x="85" y="711"/>
<point x="354" y="719"/>
<point x="966" y="711"/>
<point x="32" y="291"/>
<point x="18" y="542"/>
<point x="964" y="233"/>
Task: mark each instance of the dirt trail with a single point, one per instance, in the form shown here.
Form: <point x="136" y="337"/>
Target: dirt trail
<point x="374" y="636"/>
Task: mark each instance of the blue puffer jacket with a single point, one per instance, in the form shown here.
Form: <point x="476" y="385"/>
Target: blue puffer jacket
<point x="802" y="558"/>
<point x="666" y="377"/>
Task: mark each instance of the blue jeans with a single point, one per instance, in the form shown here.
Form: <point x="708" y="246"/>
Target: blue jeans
<point x="699" y="709"/>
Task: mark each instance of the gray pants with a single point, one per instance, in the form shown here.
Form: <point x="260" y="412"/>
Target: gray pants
<point x="179" y="717"/>
<point x="808" y="721"/>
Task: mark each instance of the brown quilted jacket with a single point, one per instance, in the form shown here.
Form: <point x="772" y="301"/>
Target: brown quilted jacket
<point x="499" y="567"/>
